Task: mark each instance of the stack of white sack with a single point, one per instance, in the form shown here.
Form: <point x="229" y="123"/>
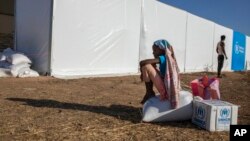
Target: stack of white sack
<point x="155" y="110"/>
<point x="17" y="63"/>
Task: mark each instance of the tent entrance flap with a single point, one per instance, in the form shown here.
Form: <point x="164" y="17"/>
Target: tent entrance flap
<point x="33" y="32"/>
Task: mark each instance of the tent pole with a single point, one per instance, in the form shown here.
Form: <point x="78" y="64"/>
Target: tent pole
<point x="141" y="29"/>
<point x="212" y="69"/>
<point x="50" y="39"/>
<point x="185" y="52"/>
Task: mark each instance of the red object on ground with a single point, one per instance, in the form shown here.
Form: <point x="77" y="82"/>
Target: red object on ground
<point x="207" y="88"/>
<point x="194" y="86"/>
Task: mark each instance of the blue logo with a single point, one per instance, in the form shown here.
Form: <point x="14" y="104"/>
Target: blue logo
<point x="200" y="112"/>
<point x="224" y="113"/>
<point x="238" y="51"/>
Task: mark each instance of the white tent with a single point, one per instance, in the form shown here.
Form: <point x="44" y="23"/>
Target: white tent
<point x="93" y="37"/>
<point x="80" y="37"/>
<point x="248" y="53"/>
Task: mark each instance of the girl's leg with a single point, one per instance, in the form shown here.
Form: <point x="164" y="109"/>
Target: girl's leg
<point x="148" y="84"/>
<point x="150" y="73"/>
<point x="149" y="92"/>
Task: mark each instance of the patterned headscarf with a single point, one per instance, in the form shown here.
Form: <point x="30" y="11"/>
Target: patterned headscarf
<point x="162" y="44"/>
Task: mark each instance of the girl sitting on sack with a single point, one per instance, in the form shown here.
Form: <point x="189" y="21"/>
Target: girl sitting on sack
<point x="165" y="78"/>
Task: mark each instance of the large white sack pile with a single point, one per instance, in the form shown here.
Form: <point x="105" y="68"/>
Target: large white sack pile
<point x="15" y="64"/>
<point x="155" y="110"/>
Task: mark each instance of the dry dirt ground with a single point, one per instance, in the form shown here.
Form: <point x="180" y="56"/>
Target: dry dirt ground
<point x="47" y="108"/>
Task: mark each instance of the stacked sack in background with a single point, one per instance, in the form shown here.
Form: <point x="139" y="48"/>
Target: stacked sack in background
<point x="15" y="64"/>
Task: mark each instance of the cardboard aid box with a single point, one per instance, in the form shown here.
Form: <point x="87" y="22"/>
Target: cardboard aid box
<point x="214" y="115"/>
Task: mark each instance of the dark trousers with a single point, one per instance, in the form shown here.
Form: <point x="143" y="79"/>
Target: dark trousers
<point x="220" y="64"/>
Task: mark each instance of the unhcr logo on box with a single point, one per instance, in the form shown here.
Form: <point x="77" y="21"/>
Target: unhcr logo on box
<point x="200" y="112"/>
<point x="225" y="116"/>
<point x="199" y="117"/>
<point x="224" y="112"/>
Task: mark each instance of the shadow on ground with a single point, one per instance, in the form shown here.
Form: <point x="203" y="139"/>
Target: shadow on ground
<point x="121" y="112"/>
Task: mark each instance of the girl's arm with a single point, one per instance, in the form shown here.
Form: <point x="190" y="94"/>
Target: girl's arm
<point x="153" y="62"/>
<point x="149" y="61"/>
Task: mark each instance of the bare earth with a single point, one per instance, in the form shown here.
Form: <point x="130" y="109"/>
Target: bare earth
<point x="47" y="108"/>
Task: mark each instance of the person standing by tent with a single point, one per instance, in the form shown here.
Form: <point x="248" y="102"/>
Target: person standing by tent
<point x="221" y="53"/>
<point x="166" y="78"/>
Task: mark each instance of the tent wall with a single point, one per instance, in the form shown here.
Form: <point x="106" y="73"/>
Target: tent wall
<point x="218" y="31"/>
<point x="160" y="21"/>
<point x="33" y="21"/>
<point x="248" y="52"/>
<point x="95" y="37"/>
<point x="200" y="40"/>
<point x="193" y="38"/>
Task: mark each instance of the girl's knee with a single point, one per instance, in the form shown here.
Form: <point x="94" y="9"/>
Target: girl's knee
<point x="147" y="67"/>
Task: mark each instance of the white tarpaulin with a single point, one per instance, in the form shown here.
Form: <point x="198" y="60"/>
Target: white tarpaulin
<point x="94" y="37"/>
<point x="33" y="22"/>
<point x="218" y="31"/>
<point x="110" y="37"/>
<point x="199" y="48"/>
<point x="160" y="21"/>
